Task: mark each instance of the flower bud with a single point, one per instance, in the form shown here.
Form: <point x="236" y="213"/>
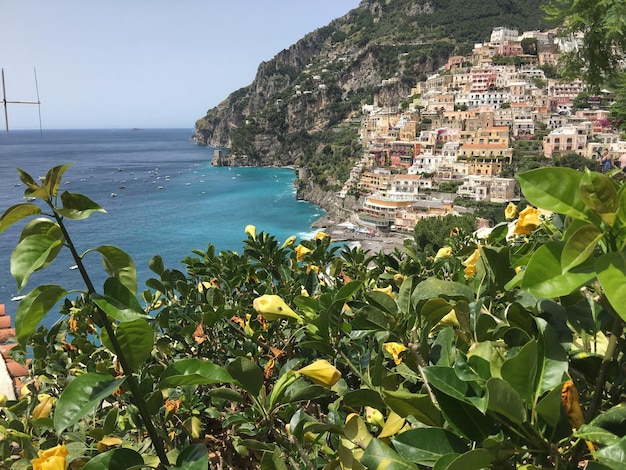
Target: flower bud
<point x="374" y="416"/>
<point x="443" y="253"/>
<point x="44" y="407"/>
<point x="272" y="307"/>
<point x="321" y="372"/>
<point x="510" y="212"/>
<point x="250" y="231"/>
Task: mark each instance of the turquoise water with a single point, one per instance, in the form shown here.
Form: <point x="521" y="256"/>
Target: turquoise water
<point x="168" y="198"/>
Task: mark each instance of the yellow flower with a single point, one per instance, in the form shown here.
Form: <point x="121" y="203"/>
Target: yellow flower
<point x="289" y="241"/>
<point x="272" y="307"/>
<point x="301" y="251"/>
<point x="470" y="263"/>
<point x="250" y="231"/>
<point x="443" y="253"/>
<point x="107" y="442"/>
<point x="321" y="235"/>
<point x="511" y="211"/>
<point x="450" y="319"/>
<point x="374" y="416"/>
<point x="386" y="290"/>
<point x="321" y="372"/>
<point x="395" y="349"/>
<point x="312" y="267"/>
<point x="527" y="222"/>
<point x="304" y="292"/>
<point x="54" y="458"/>
<point x="44" y="407"/>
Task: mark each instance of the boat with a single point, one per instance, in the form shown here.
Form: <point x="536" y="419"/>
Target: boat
<point x="73" y="267"/>
<point x="17" y="298"/>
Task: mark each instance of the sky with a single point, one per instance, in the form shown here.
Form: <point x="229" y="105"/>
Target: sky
<point x="142" y="63"/>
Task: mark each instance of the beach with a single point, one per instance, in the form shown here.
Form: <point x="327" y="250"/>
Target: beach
<point x="370" y="240"/>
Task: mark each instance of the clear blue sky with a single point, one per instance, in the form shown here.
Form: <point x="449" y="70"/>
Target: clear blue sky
<point x="142" y="63"/>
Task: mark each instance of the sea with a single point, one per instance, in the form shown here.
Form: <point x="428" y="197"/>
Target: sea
<point x="161" y="195"/>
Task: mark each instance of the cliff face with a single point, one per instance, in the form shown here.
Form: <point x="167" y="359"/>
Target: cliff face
<point x="374" y="54"/>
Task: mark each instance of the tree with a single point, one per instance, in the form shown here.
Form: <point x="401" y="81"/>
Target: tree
<point x="604" y="42"/>
<point x="431" y="233"/>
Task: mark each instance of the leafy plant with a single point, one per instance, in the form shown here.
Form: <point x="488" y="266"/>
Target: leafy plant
<point x="503" y="352"/>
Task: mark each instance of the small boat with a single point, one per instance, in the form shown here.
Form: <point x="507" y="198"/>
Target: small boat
<point x="113" y="194"/>
<point x="17" y="298"/>
<point x="73" y="267"/>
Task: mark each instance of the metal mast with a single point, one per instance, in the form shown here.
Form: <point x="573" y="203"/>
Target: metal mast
<point x="5" y="102"/>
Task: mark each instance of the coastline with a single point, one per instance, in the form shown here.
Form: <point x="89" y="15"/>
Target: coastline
<point x="372" y="241"/>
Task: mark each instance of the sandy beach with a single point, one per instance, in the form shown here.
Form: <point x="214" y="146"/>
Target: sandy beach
<point x="373" y="241"/>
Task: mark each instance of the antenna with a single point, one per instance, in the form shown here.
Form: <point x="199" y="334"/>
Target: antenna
<point x="5" y="102"/>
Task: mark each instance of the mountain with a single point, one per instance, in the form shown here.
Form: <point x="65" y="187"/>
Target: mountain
<point x="303" y="107"/>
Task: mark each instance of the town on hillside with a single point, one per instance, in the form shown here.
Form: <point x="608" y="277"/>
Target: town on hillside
<point x="457" y="130"/>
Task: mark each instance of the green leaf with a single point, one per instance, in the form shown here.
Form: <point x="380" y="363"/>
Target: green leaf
<point x="418" y="405"/>
<point x="81" y="396"/>
<point x="503" y="399"/>
<point x="432" y="288"/>
<point x="553" y="358"/>
<point x="579" y="247"/>
<point x="27" y="180"/>
<point x="382" y="301"/>
<point x="475" y="459"/>
<point x="273" y="460"/>
<point x="347" y="291"/>
<point x="464" y="418"/>
<point x="52" y="181"/>
<point x="611" y="269"/>
<point x="193" y="457"/>
<point x="435" y="309"/>
<point x="48" y="228"/>
<point x="156" y="265"/>
<point x="596" y="434"/>
<point x="118" y="302"/>
<point x="136" y="339"/>
<point x="77" y="206"/>
<point x="193" y="371"/>
<point x="520" y="371"/>
<point x="363" y="397"/>
<point x="613" y="419"/>
<point x="549" y="407"/>
<point x="30" y="254"/>
<point x="614" y="455"/>
<point x="599" y="194"/>
<point x="544" y="276"/>
<point x="119" y="264"/>
<point x="16" y="213"/>
<point x="446" y="380"/>
<point x="116" y="459"/>
<point x="33" y="308"/>
<point x="424" y="446"/>
<point x="379" y="455"/>
<point x="555" y="189"/>
<point x="247" y="374"/>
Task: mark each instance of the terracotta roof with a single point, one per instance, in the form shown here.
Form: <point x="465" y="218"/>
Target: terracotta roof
<point x="15" y="370"/>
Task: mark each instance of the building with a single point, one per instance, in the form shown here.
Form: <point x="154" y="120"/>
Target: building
<point x="379" y="211"/>
<point x="565" y="140"/>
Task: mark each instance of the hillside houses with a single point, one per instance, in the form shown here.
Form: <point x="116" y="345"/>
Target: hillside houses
<point x="459" y="125"/>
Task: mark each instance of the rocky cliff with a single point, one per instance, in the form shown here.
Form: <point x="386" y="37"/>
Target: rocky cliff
<point x="303" y="106"/>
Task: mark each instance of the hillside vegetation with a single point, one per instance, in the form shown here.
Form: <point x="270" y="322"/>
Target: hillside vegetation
<point x="299" y="107"/>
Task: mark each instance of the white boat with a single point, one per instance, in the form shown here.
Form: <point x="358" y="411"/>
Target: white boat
<point x="17" y="298"/>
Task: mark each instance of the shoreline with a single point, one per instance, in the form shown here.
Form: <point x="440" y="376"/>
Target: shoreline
<point x="372" y="241"/>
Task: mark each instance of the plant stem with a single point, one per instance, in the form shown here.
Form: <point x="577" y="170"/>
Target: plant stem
<point x="117" y="349"/>
<point x="609" y="356"/>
